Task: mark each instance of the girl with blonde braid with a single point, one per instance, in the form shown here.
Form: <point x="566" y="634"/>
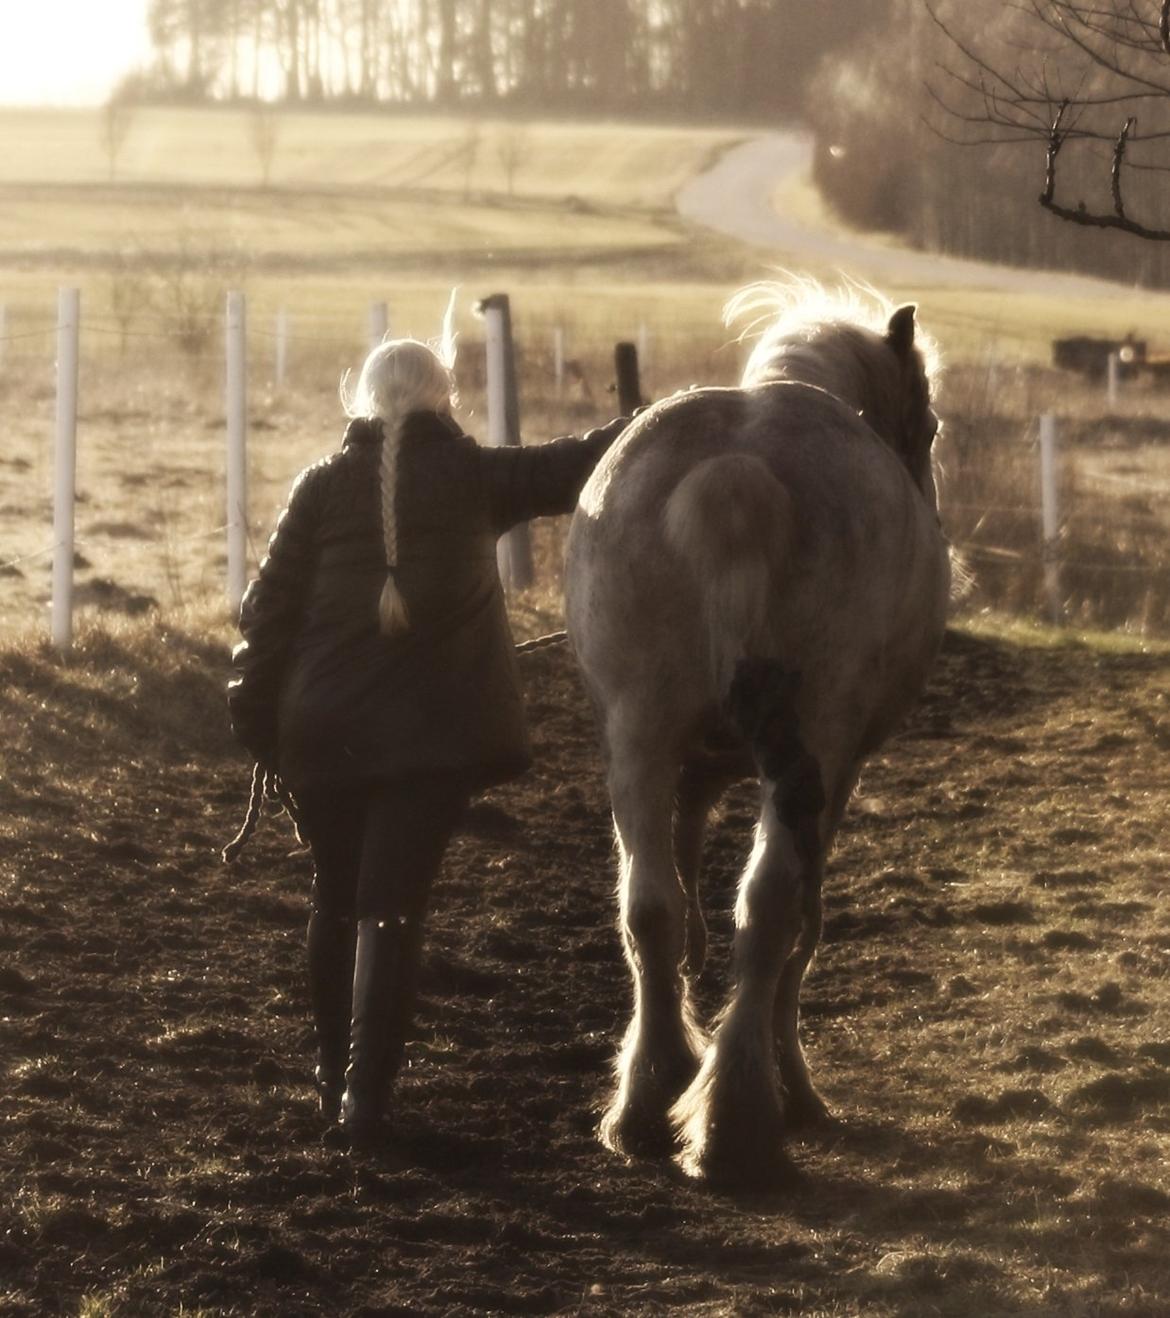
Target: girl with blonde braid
<point x="376" y="674"/>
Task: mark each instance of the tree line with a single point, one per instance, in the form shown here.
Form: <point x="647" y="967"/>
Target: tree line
<point x="747" y="59"/>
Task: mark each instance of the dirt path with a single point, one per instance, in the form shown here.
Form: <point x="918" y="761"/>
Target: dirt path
<point x="742" y="196"/>
<point x="988" y="1018"/>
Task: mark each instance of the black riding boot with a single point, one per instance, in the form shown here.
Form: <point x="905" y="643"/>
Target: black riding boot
<point x="330" y="944"/>
<point x="376" y="1038"/>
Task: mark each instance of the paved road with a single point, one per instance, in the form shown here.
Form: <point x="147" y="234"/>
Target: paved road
<point x="737" y="196"/>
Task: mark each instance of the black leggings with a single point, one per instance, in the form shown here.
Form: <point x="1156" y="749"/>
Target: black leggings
<point x="377" y="846"/>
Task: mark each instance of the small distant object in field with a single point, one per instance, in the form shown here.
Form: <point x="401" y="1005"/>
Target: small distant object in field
<point x="1090" y="356"/>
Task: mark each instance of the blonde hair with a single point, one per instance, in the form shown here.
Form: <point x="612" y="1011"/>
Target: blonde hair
<point x="400" y="376"/>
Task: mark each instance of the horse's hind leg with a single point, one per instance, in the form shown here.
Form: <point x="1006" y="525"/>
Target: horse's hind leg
<point x="660" y="1051"/>
<point x="803" y="1106"/>
<point x="731" y="1118"/>
<point x="699" y="788"/>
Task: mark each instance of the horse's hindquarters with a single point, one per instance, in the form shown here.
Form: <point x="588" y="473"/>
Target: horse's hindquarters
<point x="757" y="563"/>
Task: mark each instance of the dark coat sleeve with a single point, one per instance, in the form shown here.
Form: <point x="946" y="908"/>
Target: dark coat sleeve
<point x="542" y="480"/>
<point x="269" y="616"/>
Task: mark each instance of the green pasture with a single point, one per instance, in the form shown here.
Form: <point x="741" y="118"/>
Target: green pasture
<point x="576" y="220"/>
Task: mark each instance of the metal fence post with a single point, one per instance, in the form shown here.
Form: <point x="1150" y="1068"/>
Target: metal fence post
<point x="1050" y="517"/>
<point x="559" y="361"/>
<point x="237" y="458"/>
<point x="281" y="370"/>
<point x="379" y="323"/>
<point x="65" y="464"/>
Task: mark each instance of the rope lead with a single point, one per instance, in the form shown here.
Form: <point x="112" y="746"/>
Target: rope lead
<point x="542" y="642"/>
<point x="266" y="785"/>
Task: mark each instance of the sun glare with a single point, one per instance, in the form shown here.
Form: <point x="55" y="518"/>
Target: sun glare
<point x="68" y="52"/>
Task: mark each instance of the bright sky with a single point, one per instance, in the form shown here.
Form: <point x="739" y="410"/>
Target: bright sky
<point x="68" y="52"/>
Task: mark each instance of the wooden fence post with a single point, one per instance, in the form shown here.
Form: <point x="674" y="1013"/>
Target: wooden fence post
<point x="237" y="458"/>
<point x="1050" y="517"/>
<point x="514" y="549"/>
<point x="65" y="464"/>
<point x="629" y="387"/>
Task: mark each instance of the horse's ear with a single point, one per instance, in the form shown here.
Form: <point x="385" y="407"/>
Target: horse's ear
<point x="900" y="333"/>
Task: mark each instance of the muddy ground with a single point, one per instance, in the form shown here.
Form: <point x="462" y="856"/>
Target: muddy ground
<point x="988" y="1017"/>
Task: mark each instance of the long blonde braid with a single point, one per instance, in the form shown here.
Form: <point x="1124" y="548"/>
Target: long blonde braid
<point x="393" y="617"/>
<point x="400" y="376"/>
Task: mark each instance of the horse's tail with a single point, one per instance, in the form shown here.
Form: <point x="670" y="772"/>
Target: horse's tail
<point x="731" y="520"/>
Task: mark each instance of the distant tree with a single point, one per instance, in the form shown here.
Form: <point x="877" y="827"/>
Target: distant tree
<point x="117" y="120"/>
<point x="468" y="154"/>
<point x="1087" y="76"/>
<point x="130" y="293"/>
<point x="265" y="131"/>
<point x="513" y="146"/>
<point x="733" y="57"/>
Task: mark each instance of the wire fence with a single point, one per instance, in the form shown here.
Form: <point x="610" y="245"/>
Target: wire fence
<point x="564" y="363"/>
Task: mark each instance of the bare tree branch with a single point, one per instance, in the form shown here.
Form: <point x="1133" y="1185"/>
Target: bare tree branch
<point x="1090" y="60"/>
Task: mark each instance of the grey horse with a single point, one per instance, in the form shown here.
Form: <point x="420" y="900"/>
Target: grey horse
<point x="756" y="585"/>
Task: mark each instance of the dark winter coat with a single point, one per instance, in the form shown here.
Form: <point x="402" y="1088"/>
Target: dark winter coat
<point x="318" y="690"/>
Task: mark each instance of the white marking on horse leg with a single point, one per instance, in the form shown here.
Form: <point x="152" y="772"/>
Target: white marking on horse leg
<point x="803" y="1106"/>
<point x="698" y="791"/>
<point x="660" y="1051"/>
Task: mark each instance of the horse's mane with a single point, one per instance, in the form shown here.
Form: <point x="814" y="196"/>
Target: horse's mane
<point x="798" y="320"/>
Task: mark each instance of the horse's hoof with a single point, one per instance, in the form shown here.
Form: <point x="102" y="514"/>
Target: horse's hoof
<point x="767" y="1169"/>
<point x="806" y="1111"/>
<point x="637" y="1133"/>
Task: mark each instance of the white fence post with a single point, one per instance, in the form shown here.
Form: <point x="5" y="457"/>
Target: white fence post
<point x="1112" y="378"/>
<point x="65" y="464"/>
<point x="379" y="323"/>
<point x="3" y="330"/>
<point x="514" y="550"/>
<point x="1050" y="517"/>
<point x="559" y="360"/>
<point x="643" y="349"/>
<point x="281" y="347"/>
<point x="237" y="440"/>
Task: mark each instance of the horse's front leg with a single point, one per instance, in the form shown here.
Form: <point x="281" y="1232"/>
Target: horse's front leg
<point x="660" y="1052"/>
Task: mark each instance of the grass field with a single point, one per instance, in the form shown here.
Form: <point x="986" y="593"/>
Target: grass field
<point x="358" y="206"/>
<point x="582" y="233"/>
<point x="577" y="219"/>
